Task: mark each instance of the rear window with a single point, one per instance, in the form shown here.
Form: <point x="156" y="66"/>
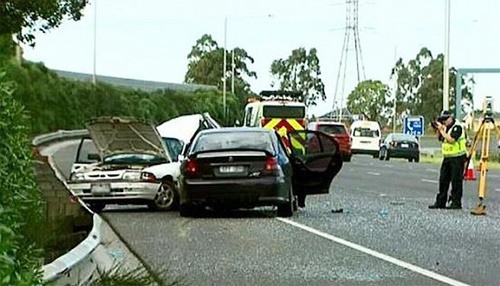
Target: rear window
<point x="365" y="132"/>
<point x="234" y="140"/>
<point x="403" y="137"/>
<point x="332" y="129"/>
<point x="271" y="111"/>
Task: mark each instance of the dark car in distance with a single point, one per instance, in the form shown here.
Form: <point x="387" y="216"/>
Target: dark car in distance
<point x="400" y="145"/>
<point x="247" y="167"/>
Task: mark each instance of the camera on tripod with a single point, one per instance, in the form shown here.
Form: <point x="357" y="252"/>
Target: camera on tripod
<point x="488" y="107"/>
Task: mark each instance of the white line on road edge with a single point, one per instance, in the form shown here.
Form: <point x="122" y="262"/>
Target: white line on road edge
<point x="429" y="181"/>
<point x="431" y="170"/>
<point x="376" y="254"/>
<point x="498" y="190"/>
<point x="373" y="173"/>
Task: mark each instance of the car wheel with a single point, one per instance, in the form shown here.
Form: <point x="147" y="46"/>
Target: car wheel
<point x="347" y="158"/>
<point x="416" y="159"/>
<point x="97" y="207"/>
<point x="166" y="199"/>
<point x="286" y="209"/>
<point x="386" y="155"/>
<point x="381" y="154"/>
<point x="410" y="159"/>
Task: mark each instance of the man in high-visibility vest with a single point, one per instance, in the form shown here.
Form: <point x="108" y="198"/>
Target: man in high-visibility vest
<point x="454" y="150"/>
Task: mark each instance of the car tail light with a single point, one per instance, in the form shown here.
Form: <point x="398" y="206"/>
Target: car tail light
<point x="271" y="166"/>
<point x="148" y="177"/>
<point x="191" y="168"/>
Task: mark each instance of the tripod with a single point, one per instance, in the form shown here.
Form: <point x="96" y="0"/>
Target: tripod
<point x="482" y="134"/>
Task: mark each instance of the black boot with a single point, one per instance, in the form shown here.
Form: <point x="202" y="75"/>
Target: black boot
<point x="437" y="206"/>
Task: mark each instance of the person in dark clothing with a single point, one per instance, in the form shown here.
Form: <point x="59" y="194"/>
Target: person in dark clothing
<point x="454" y="150"/>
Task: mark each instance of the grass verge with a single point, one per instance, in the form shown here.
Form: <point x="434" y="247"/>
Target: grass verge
<point x="140" y="276"/>
<point x="439" y="159"/>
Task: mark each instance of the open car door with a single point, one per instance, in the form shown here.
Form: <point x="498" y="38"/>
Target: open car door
<point x="86" y="154"/>
<point x="316" y="160"/>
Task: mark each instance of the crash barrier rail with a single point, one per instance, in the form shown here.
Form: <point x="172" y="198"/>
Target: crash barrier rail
<point x="100" y="251"/>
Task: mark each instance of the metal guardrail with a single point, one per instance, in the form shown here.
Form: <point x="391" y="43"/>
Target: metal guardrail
<point x="61" y="135"/>
<point x="80" y="265"/>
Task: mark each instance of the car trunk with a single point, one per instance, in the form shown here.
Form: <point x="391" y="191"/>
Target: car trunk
<point x="232" y="164"/>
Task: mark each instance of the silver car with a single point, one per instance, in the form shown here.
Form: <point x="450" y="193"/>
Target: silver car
<point x="133" y="166"/>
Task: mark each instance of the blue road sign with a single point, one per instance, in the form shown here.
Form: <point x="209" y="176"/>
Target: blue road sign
<point x="413" y="125"/>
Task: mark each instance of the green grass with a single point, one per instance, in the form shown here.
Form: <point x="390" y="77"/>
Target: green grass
<point x="139" y="276"/>
<point x="439" y="159"/>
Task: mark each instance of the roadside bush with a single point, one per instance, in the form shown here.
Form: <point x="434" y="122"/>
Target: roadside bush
<point x="20" y="208"/>
<point x="58" y="103"/>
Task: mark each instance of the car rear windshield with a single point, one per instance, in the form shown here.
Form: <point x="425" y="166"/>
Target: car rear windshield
<point x="403" y="137"/>
<point x="279" y="111"/>
<point x="332" y="129"/>
<point x="234" y="140"/>
<point x="365" y="132"/>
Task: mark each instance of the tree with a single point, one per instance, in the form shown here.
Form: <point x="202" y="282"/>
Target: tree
<point x="300" y="72"/>
<point x="370" y="98"/>
<point x="206" y="63"/>
<point x="31" y="16"/>
<point x="420" y="85"/>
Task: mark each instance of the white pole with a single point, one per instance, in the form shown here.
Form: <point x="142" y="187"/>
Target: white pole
<point x="232" y="72"/>
<point x="94" y="81"/>
<point x="446" y="69"/>
<point x="224" y="72"/>
<point x="395" y="78"/>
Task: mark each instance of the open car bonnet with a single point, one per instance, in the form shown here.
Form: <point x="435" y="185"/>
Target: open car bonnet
<point x="186" y="126"/>
<point x="112" y="135"/>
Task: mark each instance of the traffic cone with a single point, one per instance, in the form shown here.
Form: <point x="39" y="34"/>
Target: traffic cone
<point x="470" y="174"/>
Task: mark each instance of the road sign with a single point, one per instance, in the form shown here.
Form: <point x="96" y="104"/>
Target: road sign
<point x="413" y="125"/>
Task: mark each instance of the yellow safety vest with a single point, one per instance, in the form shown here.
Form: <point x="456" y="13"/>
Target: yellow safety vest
<point x="457" y="148"/>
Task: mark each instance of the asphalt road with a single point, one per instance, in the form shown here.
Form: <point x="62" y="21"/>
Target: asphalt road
<point x="384" y="236"/>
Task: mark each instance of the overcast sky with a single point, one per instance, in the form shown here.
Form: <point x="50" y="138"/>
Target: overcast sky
<point x="150" y="39"/>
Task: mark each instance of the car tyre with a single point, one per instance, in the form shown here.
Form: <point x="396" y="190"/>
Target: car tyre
<point x="381" y="154"/>
<point x="286" y="209"/>
<point x="348" y="158"/>
<point x="386" y="155"/>
<point x="97" y="207"/>
<point x="166" y="199"/>
<point x="416" y="159"/>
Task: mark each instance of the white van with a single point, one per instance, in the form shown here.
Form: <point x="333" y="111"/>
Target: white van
<point x="366" y="137"/>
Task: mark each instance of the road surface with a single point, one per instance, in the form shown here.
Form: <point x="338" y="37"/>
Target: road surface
<point x="384" y="236"/>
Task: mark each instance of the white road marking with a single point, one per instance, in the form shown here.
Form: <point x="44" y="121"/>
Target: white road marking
<point x="431" y="170"/>
<point x="400" y="263"/>
<point x="430" y="181"/>
<point x="497" y="190"/>
<point x="373" y="173"/>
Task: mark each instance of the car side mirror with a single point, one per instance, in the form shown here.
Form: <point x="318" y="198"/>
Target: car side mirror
<point x="94" y="157"/>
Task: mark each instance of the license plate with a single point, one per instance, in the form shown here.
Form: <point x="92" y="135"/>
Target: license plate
<point x="231" y="169"/>
<point x="100" y="189"/>
<point x="404" y="145"/>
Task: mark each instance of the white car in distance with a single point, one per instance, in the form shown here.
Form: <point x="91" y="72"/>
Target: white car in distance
<point x="133" y="166"/>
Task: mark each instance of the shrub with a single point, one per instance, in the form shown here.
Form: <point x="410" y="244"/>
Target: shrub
<point x="20" y="208"/>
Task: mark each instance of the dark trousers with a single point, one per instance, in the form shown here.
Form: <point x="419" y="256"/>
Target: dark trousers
<point x="452" y="170"/>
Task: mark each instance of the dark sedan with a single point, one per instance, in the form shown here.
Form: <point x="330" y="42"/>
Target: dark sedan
<point x="241" y="167"/>
<point x="400" y="145"/>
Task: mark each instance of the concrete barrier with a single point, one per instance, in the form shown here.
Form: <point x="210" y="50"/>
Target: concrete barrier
<point x="102" y="250"/>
